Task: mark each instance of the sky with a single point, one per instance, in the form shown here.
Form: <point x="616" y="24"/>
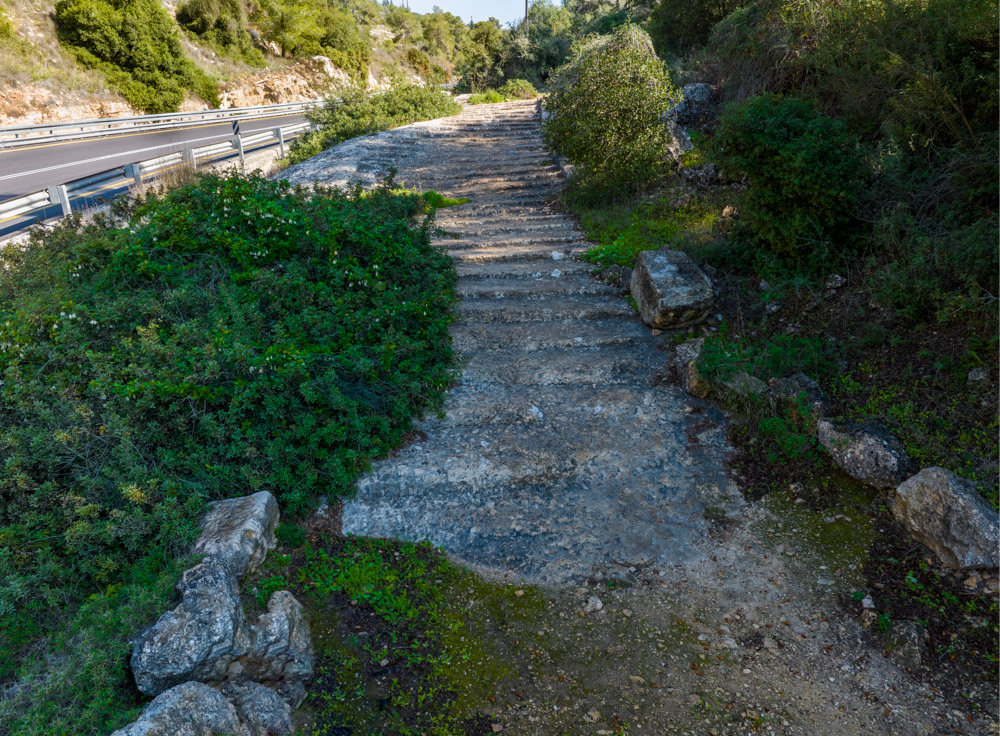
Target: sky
<point x="504" y="11"/>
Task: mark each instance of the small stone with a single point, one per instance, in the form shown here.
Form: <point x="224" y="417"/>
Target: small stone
<point x="556" y="274"/>
<point x="905" y="641"/>
<point x="627" y="613"/>
<point x="496" y="727"/>
<point x="592" y="716"/>
<point x="824" y="581"/>
<point x="686" y="362"/>
<point x="743" y="384"/>
<point x="770" y="643"/>
<point x="835" y="281"/>
<point x="383" y="663"/>
<point x="656" y="333"/>
<point x="557" y="256"/>
<point x="867" y="602"/>
<point x="978" y="376"/>
<point x="593" y="604"/>
<point x="773" y="307"/>
<point x="518" y="593"/>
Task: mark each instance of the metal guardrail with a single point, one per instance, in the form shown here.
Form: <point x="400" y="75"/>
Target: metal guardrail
<point x="24" y="135"/>
<point x="123" y="177"/>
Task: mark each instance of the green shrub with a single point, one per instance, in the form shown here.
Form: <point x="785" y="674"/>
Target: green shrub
<point x="228" y="336"/>
<point x="677" y="25"/>
<point x="223" y="25"/>
<point x="418" y="61"/>
<point x="518" y="89"/>
<point x="135" y="44"/>
<point x="290" y="535"/>
<point x="82" y="685"/>
<point x="803" y="171"/>
<point x="6" y="26"/>
<point x="489" y="97"/>
<point x="606" y="110"/>
<point x="920" y="72"/>
<point x="359" y="113"/>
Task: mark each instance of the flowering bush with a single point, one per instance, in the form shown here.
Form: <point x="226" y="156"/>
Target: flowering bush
<point x="229" y="336"/>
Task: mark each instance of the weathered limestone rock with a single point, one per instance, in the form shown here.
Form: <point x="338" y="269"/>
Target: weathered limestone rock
<point x="670" y="290"/>
<point x="694" y="104"/>
<point x="745" y="385"/>
<point x="865" y="452"/>
<point x="702" y="177"/>
<point x="260" y="709"/>
<point x="686" y="361"/>
<point x="200" y="638"/>
<point x="680" y="141"/>
<point x="796" y="392"/>
<point x="905" y="641"/>
<point x="281" y="648"/>
<point x="189" y="709"/>
<point x="948" y="515"/>
<point x="240" y="531"/>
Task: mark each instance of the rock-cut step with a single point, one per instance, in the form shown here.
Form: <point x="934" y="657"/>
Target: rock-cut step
<point x="562" y="308"/>
<point x="473" y="337"/>
<point x="536" y="289"/>
<point x="523" y="269"/>
<point x="610" y="366"/>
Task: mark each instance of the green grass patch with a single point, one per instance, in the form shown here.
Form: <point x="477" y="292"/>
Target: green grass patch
<point x="397" y="648"/>
<point x="623" y="231"/>
<point x="439" y="201"/>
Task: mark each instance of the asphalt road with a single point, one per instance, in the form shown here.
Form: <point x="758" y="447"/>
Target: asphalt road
<point x="33" y="168"/>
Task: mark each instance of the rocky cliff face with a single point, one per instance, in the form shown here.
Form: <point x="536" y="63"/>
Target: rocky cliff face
<point x="304" y="80"/>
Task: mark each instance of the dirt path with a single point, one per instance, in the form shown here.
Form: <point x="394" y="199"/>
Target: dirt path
<point x="562" y="460"/>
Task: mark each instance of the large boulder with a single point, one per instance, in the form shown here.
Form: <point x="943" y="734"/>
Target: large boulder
<point x="281" y="652"/>
<point x="865" y="451"/>
<point x="670" y="290"/>
<point x="686" y="362"/>
<point x="949" y="515"/>
<point x="188" y="709"/>
<point x="694" y="104"/>
<point x="240" y="531"/>
<point x="261" y="710"/>
<point x="200" y="638"/>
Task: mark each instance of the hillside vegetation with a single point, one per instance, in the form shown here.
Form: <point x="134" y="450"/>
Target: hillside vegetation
<point x="229" y="336"/>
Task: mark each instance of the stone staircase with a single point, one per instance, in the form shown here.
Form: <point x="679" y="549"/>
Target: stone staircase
<point x="560" y="453"/>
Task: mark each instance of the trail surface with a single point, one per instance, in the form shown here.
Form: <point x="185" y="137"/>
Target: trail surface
<point x="563" y="459"/>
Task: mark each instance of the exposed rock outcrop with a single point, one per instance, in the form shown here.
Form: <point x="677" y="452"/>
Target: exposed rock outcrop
<point x="304" y="80"/>
<point x="240" y="532"/>
<point x="200" y="638"/>
<point x="207" y="638"/>
<point x="189" y="709"/>
<point x="949" y="515"/>
<point x="865" y="452"/>
<point x="670" y="291"/>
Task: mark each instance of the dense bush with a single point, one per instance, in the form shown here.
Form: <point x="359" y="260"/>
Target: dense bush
<point x="230" y="336"/>
<point x="223" y="25"/>
<point x="919" y="71"/>
<point x="606" y="110"/>
<point x="678" y="25"/>
<point x="135" y="44"/>
<point x="803" y="170"/>
<point x="518" y="89"/>
<point x="512" y="89"/>
<point x="359" y="113"/>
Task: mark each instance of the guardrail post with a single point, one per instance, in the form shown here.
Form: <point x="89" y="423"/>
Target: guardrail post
<point x="59" y="195"/>
<point x="281" y="141"/>
<point x="133" y="172"/>
<point x="239" y="147"/>
<point x="190" y="159"/>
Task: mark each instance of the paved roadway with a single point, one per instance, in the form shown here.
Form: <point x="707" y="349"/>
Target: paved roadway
<point x="36" y="167"/>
